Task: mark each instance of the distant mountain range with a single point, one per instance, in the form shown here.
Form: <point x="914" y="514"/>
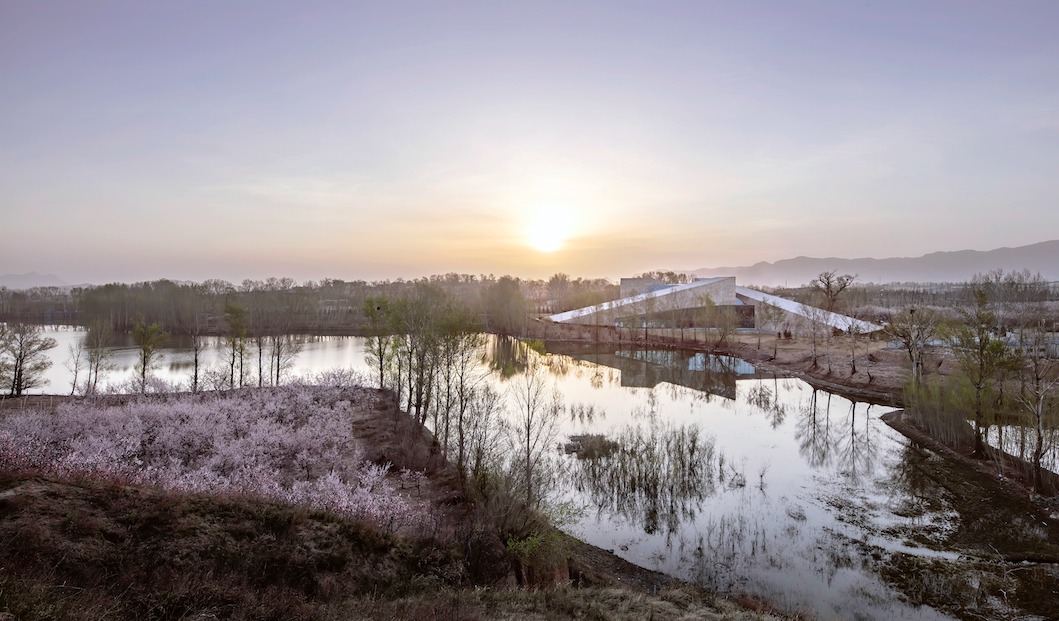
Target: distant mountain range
<point x="30" y="280"/>
<point x="955" y="266"/>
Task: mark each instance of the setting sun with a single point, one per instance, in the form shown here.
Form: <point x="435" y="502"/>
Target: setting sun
<point x="547" y="229"/>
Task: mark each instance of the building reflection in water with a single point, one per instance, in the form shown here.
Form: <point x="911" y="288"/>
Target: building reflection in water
<point x="647" y="368"/>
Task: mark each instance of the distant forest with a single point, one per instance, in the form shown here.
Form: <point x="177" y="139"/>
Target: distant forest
<point x="328" y="306"/>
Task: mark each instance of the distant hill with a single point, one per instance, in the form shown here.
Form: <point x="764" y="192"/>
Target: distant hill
<point x="953" y="266"/>
<point x="30" y="280"/>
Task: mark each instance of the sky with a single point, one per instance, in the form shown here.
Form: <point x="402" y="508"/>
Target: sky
<point x="379" y="140"/>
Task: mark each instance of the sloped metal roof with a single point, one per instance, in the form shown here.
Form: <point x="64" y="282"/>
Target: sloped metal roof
<point x="835" y="320"/>
<point x="640" y="297"/>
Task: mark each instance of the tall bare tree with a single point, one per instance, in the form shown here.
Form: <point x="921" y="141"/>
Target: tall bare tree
<point x="76" y="362"/>
<point x="853" y="332"/>
<point x="235" y="342"/>
<point x="772" y="316"/>
<point x="150" y="338"/>
<point x="196" y="332"/>
<point x="831" y="285"/>
<point x="23" y="358"/>
<point x="376" y="310"/>
<point x="98" y="343"/>
<point x="1038" y="395"/>
<point x="534" y="427"/>
<point x="817" y="327"/>
<point x="914" y="327"/>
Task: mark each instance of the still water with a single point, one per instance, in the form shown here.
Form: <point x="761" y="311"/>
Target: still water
<point x="318" y="353"/>
<point x="712" y="472"/>
<point x="742" y="483"/>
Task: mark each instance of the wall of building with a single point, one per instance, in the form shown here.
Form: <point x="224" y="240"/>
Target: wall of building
<point x="721" y="291"/>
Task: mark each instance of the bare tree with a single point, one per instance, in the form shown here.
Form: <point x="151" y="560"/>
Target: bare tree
<point x="817" y="327"/>
<point x="769" y="315"/>
<point x="831" y="285"/>
<point x="535" y="424"/>
<point x="707" y="315"/>
<point x="376" y="310"/>
<point x="1042" y="372"/>
<point x="483" y="433"/>
<point x="458" y="351"/>
<point x="726" y="323"/>
<point x="914" y="327"/>
<point x="1039" y="369"/>
<point x="23" y="360"/>
<point x="283" y="351"/>
<point x="284" y="346"/>
<point x="150" y="338"/>
<point x="235" y="342"/>
<point x="853" y="332"/>
<point x="98" y="341"/>
<point x="650" y="308"/>
<point x="76" y="362"/>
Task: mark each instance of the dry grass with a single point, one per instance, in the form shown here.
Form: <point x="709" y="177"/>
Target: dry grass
<point x="84" y="550"/>
<point x="92" y="550"/>
<point x="683" y="603"/>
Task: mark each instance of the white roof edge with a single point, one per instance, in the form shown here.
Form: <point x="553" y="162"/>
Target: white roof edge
<point x="639" y="297"/>
<point x="835" y="320"/>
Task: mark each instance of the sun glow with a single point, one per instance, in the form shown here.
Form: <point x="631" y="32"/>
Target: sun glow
<point x="547" y="229"/>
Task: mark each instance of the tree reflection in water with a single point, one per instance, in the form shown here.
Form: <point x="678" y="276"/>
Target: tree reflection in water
<point x="657" y="478"/>
<point x="856" y="449"/>
<point x="508" y="356"/>
<point x="826" y="439"/>
<point x="767" y="400"/>
<point x="813" y="431"/>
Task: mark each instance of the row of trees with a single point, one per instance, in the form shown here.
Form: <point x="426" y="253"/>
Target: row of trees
<point x="1003" y="342"/>
<point x="1001" y="333"/>
<point x="311" y="307"/>
<point x="24" y="358"/>
<point x="427" y="347"/>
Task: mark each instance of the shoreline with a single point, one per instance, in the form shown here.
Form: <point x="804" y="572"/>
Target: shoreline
<point x="884" y="387"/>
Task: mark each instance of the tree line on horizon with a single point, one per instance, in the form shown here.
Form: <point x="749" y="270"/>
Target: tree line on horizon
<point x="326" y="306"/>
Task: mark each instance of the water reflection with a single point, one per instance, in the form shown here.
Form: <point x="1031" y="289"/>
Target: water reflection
<point x="826" y="438"/>
<point x="785" y="497"/>
<point x="766" y="398"/>
<point x="507" y="356"/>
<point x="656" y="477"/>
<point x="639" y="368"/>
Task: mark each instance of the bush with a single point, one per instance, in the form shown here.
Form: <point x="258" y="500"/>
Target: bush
<point x="290" y="444"/>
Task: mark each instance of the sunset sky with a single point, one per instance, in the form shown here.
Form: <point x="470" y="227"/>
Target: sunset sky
<point x="193" y="140"/>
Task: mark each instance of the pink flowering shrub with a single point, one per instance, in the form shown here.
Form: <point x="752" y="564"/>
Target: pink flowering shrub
<point x="291" y="444"/>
